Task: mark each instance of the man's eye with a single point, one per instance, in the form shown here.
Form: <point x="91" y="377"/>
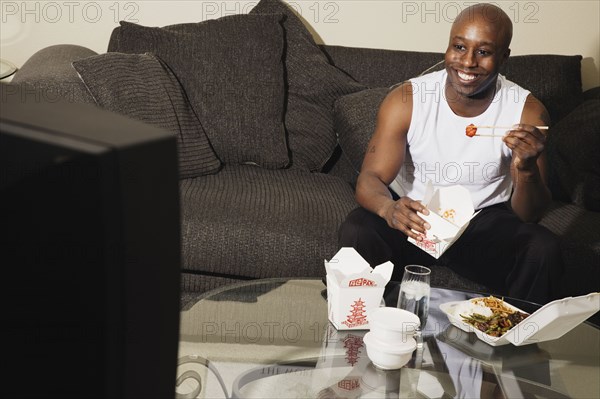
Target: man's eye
<point x="483" y="52"/>
<point x="459" y="47"/>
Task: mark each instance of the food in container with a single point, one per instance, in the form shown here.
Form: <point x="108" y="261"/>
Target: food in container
<point x="492" y="316"/>
<point x="551" y="321"/>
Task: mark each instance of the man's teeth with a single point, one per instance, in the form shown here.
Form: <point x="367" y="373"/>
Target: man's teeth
<point x="466" y="76"/>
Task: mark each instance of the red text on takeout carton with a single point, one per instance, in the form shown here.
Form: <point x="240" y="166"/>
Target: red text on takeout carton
<point x="354" y="289"/>
<point x="450" y="211"/>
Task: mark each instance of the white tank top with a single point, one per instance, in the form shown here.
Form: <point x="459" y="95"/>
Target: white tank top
<point x="439" y="150"/>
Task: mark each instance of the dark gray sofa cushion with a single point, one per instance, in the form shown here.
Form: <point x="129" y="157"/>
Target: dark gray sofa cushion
<point x="313" y="84"/>
<point x="254" y="222"/>
<point x="554" y="79"/>
<point x="579" y="244"/>
<point x="232" y="71"/>
<point x="379" y="67"/>
<point x="574" y="156"/>
<point x="355" y="119"/>
<point x="142" y="87"/>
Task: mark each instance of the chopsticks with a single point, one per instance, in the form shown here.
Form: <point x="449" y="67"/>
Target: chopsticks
<point x="506" y="127"/>
<point x="487" y="135"/>
<point x="496" y="127"/>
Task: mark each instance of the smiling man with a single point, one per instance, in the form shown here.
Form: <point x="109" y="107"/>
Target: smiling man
<point x="420" y="137"/>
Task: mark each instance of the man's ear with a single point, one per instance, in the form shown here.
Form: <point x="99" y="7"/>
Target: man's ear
<point x="505" y="55"/>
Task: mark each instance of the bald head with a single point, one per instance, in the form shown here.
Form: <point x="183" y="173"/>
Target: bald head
<point x="478" y="46"/>
<point x="490" y="15"/>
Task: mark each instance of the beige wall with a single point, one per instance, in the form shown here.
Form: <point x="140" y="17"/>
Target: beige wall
<point x="540" y="27"/>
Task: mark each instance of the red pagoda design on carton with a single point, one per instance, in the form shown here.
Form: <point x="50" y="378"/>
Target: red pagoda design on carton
<point x="353" y="345"/>
<point x="357" y="316"/>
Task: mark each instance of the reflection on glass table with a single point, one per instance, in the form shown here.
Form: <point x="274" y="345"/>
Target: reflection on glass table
<point x="272" y="339"/>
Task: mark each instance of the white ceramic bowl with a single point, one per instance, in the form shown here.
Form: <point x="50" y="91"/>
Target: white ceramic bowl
<point x="389" y="356"/>
<point x="393" y="325"/>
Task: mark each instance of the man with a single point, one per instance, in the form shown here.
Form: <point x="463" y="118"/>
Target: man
<point x="420" y="136"/>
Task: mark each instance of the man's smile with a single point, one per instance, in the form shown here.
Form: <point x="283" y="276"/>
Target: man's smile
<point x="467" y="77"/>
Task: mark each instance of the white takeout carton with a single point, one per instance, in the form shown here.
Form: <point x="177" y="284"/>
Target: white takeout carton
<point x="450" y="211"/>
<point x="354" y="289"/>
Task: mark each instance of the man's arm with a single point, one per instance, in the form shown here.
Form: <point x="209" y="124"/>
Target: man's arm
<point x="382" y="162"/>
<point x="531" y="195"/>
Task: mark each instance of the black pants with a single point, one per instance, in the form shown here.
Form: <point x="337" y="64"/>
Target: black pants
<point x="498" y="250"/>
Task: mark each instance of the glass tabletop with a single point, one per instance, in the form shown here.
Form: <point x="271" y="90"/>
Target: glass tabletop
<point x="272" y="339"/>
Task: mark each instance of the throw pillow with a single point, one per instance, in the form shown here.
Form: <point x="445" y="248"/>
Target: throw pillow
<point x="555" y="80"/>
<point x="355" y="120"/>
<point x="313" y="86"/>
<point x="232" y="71"/>
<point x="573" y="156"/>
<point x="144" y="88"/>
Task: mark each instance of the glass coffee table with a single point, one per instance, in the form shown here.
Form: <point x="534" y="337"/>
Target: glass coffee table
<point x="271" y="339"/>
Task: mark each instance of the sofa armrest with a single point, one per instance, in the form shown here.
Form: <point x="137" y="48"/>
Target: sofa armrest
<point x="574" y="157"/>
<point x="579" y="236"/>
<point x="49" y="73"/>
<point x="52" y="63"/>
<point x="593" y="93"/>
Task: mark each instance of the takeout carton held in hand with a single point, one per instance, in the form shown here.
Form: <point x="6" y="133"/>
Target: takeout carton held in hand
<point x="354" y="289"/>
<point x="450" y="211"/>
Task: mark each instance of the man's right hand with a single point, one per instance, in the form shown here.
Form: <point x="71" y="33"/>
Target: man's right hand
<point x="402" y="215"/>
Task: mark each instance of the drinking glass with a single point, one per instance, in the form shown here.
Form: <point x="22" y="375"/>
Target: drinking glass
<point x="414" y="293"/>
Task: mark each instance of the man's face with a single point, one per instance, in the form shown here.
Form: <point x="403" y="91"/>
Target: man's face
<point x="475" y="52"/>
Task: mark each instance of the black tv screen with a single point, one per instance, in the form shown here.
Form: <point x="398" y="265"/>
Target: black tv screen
<point x="90" y="253"/>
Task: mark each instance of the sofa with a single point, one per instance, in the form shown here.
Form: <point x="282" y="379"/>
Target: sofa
<point x="272" y="128"/>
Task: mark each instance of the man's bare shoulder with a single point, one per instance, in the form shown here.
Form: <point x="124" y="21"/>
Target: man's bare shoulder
<point x="534" y="112"/>
<point x="398" y="100"/>
<point x="402" y="93"/>
<point x="396" y="110"/>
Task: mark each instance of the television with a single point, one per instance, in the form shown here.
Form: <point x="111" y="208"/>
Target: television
<point x="90" y="252"/>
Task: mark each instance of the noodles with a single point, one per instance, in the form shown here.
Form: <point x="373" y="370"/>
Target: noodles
<point x="503" y="317"/>
<point x="497" y="305"/>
